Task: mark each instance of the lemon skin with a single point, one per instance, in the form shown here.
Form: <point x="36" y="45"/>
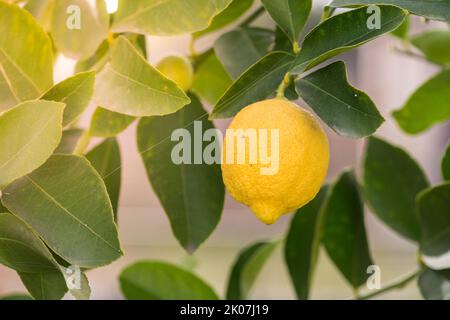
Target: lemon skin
<point x="177" y="69"/>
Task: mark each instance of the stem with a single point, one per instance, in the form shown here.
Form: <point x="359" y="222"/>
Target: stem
<point x="283" y="85"/>
<point x="252" y="17"/>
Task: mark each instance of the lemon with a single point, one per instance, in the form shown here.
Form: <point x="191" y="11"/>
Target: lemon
<point x="177" y="69"/>
<point x="301" y="163"/>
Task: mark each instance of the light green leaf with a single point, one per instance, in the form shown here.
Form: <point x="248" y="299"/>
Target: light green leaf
<point x="153" y="280"/>
<point x="435" y="44"/>
<point x="166" y="17"/>
<point x="255" y="84"/>
<point x="392" y="179"/>
<point x="107" y="124"/>
<point x="192" y="194"/>
<point x="435" y="285"/>
<point x="45" y="285"/>
<point x="347" y="110"/>
<point x="344" y="32"/>
<point x="129" y="85"/>
<point x="16" y="297"/>
<point x="445" y="166"/>
<point x="69" y="140"/>
<point x="76" y="92"/>
<point x="403" y="30"/>
<point x="429" y="105"/>
<point x="41" y="11"/>
<point x="290" y="15"/>
<point x="29" y="133"/>
<point x="97" y="61"/>
<point x="26" y="57"/>
<point x="78" y="27"/>
<point x="65" y="201"/>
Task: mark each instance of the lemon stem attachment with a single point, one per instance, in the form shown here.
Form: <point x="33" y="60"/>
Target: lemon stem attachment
<point x="283" y="85"/>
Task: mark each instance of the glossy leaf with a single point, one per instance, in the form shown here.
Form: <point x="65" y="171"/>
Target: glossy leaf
<point x="255" y="84"/>
<point x="46" y="285"/>
<point x="78" y="27"/>
<point x="69" y="140"/>
<point x="434" y="218"/>
<point x="344" y="233"/>
<point x="435" y="285"/>
<point x="75" y="220"/>
<point x="129" y="85"/>
<point x="392" y="179"/>
<point x="192" y="194"/>
<point x="344" y="32"/>
<point x="107" y="124"/>
<point x="435" y="44"/>
<point x="290" y="15"/>
<point x="429" y="105"/>
<point x="246" y="269"/>
<point x="22" y="77"/>
<point x="301" y="250"/>
<point x="76" y="92"/>
<point x="347" y="110"/>
<point x="25" y="150"/>
<point x="445" y="166"/>
<point x="152" y="280"/>
<point x="239" y="49"/>
<point x="167" y="17"/>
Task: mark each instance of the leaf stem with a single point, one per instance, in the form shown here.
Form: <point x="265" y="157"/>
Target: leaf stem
<point x="283" y="85"/>
<point x="255" y="15"/>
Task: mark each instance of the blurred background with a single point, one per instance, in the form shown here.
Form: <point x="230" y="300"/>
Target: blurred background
<point x="387" y="76"/>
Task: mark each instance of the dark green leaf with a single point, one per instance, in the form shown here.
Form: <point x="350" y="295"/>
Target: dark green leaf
<point x="392" y="179"/>
<point x="435" y="44"/>
<point x="107" y="124"/>
<point x="69" y="140"/>
<point x="152" y="280"/>
<point x="347" y="110"/>
<point x="435" y="285"/>
<point x="46" y="285"/>
<point x="445" y="166"/>
<point x="282" y="42"/>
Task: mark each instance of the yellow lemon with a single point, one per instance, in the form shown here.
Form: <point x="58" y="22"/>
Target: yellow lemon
<point x="283" y="168"/>
<point x="177" y="69"/>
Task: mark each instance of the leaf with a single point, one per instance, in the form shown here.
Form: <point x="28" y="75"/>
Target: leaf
<point x="344" y="233"/>
<point x="21" y="77"/>
<point x="16" y="297"/>
<point x="437" y="10"/>
<point x="105" y="158"/>
<point x="107" y="124"/>
<point x="233" y="12"/>
<point x="211" y="80"/>
<point x="435" y="285"/>
<point x="435" y="44"/>
<point x="41" y="11"/>
<point x="301" y="249"/>
<point x="290" y="15"/>
<point x="97" y="61"/>
<point x="403" y="30"/>
<point x="255" y="84"/>
<point x="29" y="133"/>
<point x="246" y="269"/>
<point x="392" y="179"/>
<point x="166" y="17"/>
<point x="192" y="194"/>
<point x="153" y="280"/>
<point x="78" y="27"/>
<point x="237" y="50"/>
<point x="76" y="92"/>
<point x="84" y="292"/>
<point x="342" y="33"/>
<point x="429" y="105"/>
<point x="69" y="140"/>
<point x="45" y="286"/>
<point x="445" y="166"/>
<point x="66" y="203"/>
<point x="347" y="110"/>
<point x="129" y="85"/>
<point x="434" y="219"/>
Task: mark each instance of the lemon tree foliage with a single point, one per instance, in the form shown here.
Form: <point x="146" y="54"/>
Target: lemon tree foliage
<point x="108" y="124"/>
<point x="445" y="166"/>
<point x="435" y="45"/>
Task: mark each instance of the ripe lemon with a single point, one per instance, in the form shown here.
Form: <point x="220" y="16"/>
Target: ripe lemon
<point x="177" y="69"/>
<point x="303" y="158"/>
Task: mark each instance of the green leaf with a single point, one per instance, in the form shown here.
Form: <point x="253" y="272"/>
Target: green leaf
<point x="152" y="280"/>
<point x="235" y="10"/>
<point x="69" y="140"/>
<point x="403" y="30"/>
<point x="78" y="27"/>
<point x="26" y="57"/>
<point x="76" y="92"/>
<point x="211" y="80"/>
<point x="105" y="158"/>
<point x="166" y="17"/>
<point x="434" y="218"/>
<point x="192" y="194"/>
<point x="432" y="9"/>
<point x="445" y="166"/>
<point x="435" y="44"/>
<point x="246" y="269"/>
<point x="290" y="15"/>
<point x="53" y="195"/>
<point x="107" y="124"/>
<point x="435" y="285"/>
<point x="129" y="85"/>
<point x="45" y="285"/>
<point x="347" y="110"/>
<point x="392" y="179"/>
<point x="255" y="84"/>
<point x="344" y="233"/>
<point x="16" y="297"/>
<point x="429" y="105"/>
<point x="95" y="62"/>
<point x="241" y="48"/>
<point x="282" y="42"/>
<point x="344" y="32"/>
<point x="301" y="250"/>
<point x="29" y="133"/>
<point x="41" y="11"/>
